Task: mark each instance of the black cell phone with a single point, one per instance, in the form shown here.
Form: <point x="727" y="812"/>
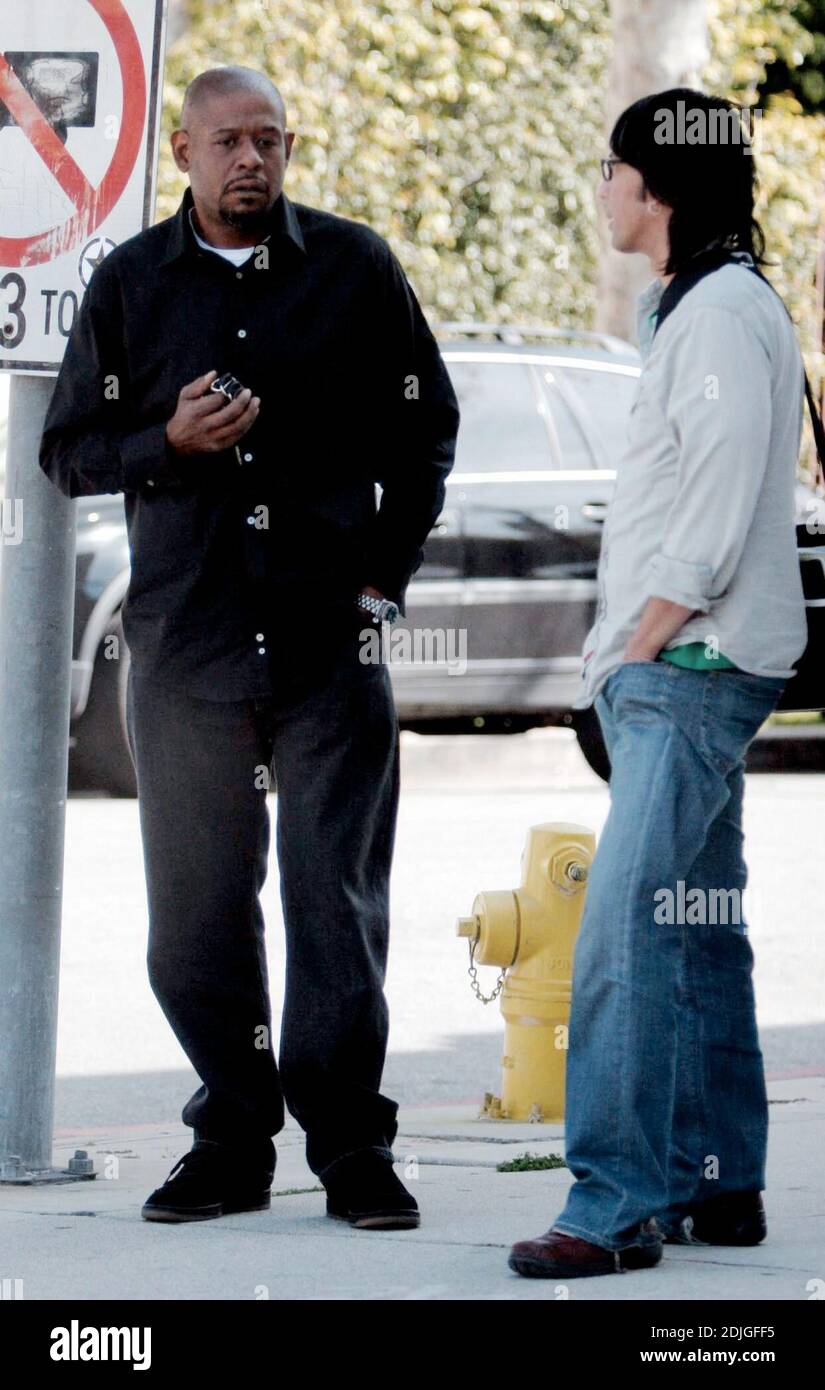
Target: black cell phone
<point x="228" y="385"/>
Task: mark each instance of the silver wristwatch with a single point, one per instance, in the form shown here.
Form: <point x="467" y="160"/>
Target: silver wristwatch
<point x="383" y="610"/>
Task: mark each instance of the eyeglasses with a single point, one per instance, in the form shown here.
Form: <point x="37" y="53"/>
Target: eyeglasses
<point x="607" y="167"/>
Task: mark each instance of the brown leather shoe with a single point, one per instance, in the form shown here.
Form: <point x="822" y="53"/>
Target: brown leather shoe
<point x="556" y="1255"/>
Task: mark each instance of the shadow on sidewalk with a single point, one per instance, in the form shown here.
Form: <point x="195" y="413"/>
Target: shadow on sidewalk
<point x="459" y="1072"/>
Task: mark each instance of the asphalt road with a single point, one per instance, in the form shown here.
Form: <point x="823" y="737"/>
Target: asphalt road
<point x="466" y="805"/>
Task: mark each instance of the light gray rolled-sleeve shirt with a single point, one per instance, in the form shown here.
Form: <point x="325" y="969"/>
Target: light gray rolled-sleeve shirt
<point x="703" y="508"/>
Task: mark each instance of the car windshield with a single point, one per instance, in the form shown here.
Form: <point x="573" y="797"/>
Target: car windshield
<point x="518" y="416"/>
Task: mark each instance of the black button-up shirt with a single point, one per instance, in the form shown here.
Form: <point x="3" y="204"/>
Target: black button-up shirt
<point x="243" y="559"/>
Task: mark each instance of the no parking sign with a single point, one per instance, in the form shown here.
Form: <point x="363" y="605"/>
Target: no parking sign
<point x="79" y="119"/>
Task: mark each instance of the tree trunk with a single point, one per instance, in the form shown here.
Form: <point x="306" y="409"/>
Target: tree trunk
<point x="656" y="44"/>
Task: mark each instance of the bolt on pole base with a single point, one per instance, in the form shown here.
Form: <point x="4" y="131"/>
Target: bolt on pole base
<point x="14" y="1173"/>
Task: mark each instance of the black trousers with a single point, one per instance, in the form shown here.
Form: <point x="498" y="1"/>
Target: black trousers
<point x="331" y="736"/>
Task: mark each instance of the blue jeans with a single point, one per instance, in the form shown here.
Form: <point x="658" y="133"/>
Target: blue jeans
<point x="666" y="1102"/>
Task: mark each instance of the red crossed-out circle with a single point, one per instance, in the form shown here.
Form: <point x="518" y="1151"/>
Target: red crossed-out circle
<point x="92" y="204"/>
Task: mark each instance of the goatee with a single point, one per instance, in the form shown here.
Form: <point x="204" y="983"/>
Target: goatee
<point x="253" y="220"/>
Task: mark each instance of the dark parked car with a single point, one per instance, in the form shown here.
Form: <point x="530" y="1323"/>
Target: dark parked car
<point x="512" y="559"/>
<point x="99" y="753"/>
<point x="499" y="609"/>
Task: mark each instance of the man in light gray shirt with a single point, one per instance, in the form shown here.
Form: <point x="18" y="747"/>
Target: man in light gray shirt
<point x="702" y="518"/>
<point x="700" y="620"/>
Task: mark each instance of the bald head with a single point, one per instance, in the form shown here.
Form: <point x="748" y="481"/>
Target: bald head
<point x="220" y="82"/>
<point x="234" y="145"/>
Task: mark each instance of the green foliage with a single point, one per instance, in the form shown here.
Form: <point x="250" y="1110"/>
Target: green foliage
<point x="806" y="81"/>
<point x="468" y="133"/>
<point x="529" y="1162"/>
<point x="748" y="37"/>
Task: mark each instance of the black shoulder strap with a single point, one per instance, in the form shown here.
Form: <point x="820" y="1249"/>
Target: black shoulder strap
<point x="682" y="283"/>
<point x="704" y="265"/>
<point x="818" y="427"/>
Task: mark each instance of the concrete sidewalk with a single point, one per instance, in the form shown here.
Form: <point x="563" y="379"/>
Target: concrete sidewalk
<point x="85" y="1240"/>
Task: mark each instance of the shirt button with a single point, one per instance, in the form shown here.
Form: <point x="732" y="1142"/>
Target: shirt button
<point x="238" y="274"/>
<point x="150" y="482"/>
<point x="241" y="332"/>
<point x="259" y="637"/>
<point x="247" y="458"/>
<point x="261" y="651"/>
<point x="250" y="521"/>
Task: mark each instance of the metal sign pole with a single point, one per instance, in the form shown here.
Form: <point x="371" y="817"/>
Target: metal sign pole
<point x="59" y="69"/>
<point x="36" y="607"/>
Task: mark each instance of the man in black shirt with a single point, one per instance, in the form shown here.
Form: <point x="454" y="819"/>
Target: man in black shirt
<point x="258" y="555"/>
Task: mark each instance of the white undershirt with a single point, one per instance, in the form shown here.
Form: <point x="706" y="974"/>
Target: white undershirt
<point x="236" y="254"/>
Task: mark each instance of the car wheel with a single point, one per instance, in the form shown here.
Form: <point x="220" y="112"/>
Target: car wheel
<point x="589" y="733"/>
<point x="102" y="758"/>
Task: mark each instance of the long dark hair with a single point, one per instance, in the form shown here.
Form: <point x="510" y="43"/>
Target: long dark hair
<point x="710" y="183"/>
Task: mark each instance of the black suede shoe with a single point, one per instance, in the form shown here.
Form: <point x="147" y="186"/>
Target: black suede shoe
<point x="214" y="1180"/>
<point x="732" y="1218"/>
<point x="363" y="1190"/>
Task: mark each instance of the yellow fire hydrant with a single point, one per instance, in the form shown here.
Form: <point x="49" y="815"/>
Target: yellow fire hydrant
<point x="531" y="932"/>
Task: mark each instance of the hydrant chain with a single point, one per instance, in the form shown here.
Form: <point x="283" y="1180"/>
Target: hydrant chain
<point x="473" y="974"/>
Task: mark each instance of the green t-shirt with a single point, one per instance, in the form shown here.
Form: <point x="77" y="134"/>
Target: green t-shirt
<point x="693" y="656"/>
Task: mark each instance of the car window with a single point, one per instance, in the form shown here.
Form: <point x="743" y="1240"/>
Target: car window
<point x="502" y="420"/>
<point x="529" y="417"/>
<point x="591" y="410"/>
